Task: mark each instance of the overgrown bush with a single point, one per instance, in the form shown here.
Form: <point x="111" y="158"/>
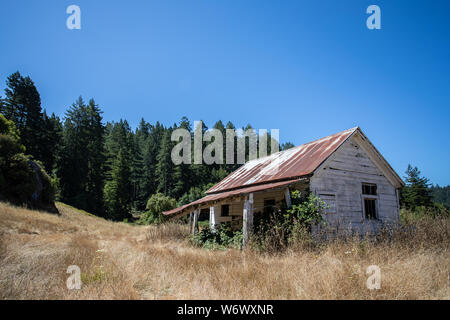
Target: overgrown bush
<point x="156" y="205"/>
<point x="276" y="230"/>
<point x="220" y="238"/>
<point x="22" y="180"/>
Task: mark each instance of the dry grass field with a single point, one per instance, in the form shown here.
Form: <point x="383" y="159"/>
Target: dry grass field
<point x="120" y="261"/>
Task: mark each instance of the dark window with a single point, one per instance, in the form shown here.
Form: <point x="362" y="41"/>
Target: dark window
<point x="370" y="208"/>
<point x="269" y="205"/>
<point x="369" y="189"/>
<point x="225" y="212"/>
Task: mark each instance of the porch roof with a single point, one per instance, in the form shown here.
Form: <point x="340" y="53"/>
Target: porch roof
<point x="212" y="198"/>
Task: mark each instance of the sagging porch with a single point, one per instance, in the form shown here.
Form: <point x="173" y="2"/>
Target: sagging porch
<point x="238" y="207"/>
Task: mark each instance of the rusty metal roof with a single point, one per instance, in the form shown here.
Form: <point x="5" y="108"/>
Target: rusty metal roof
<point x="211" y="198"/>
<point x="276" y="170"/>
<point x="295" y="162"/>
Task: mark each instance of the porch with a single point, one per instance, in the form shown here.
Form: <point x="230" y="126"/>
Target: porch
<point x="239" y="209"/>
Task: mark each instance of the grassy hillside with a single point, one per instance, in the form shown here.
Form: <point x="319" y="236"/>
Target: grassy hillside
<point x="120" y="261"/>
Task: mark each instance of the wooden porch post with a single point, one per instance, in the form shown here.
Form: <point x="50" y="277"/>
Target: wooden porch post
<point x="287" y="196"/>
<point x="195" y="224"/>
<point x="247" y="222"/>
<point x="212" y="218"/>
<point x="190" y="221"/>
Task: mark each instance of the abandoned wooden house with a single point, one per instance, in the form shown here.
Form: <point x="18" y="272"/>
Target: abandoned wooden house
<point x="345" y="170"/>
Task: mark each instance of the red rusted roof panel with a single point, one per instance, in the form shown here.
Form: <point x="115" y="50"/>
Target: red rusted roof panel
<point x="295" y="162"/>
<point x="223" y="195"/>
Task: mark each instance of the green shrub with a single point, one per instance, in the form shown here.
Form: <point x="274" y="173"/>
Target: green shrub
<point x="19" y="178"/>
<point x="156" y="205"/>
<point x="7" y="127"/>
<point x="276" y="230"/>
<point x="22" y="180"/>
<point x="221" y="237"/>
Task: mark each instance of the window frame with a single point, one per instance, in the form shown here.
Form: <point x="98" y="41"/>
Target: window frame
<point x="370" y="197"/>
<point x="363" y="184"/>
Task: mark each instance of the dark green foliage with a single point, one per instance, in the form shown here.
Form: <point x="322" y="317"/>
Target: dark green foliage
<point x="416" y="192"/>
<point x="150" y="157"/>
<point x="117" y="192"/>
<point x="287" y="145"/>
<point x="165" y="168"/>
<point x="17" y="179"/>
<point x="80" y="166"/>
<point x="22" y="105"/>
<point x="441" y="195"/>
<point x="275" y="230"/>
<point x="138" y="177"/>
<point x="8" y="128"/>
<point x="194" y="193"/>
<point x="221" y="238"/>
<point x="22" y="181"/>
<point x="156" y="205"/>
<point x="52" y="135"/>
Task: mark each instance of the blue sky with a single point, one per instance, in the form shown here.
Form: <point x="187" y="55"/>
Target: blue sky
<point x="309" y="68"/>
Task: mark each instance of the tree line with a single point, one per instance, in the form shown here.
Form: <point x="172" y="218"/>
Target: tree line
<point x="108" y="169"/>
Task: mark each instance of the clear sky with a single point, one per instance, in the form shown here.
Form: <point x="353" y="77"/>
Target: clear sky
<point x="308" y="68"/>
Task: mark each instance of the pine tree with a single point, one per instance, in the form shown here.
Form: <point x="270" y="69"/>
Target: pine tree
<point x="117" y="189"/>
<point x="165" y="167"/>
<point x="80" y="166"/>
<point x="96" y="156"/>
<point x="52" y="131"/>
<point x="119" y="170"/>
<point x="182" y="175"/>
<point x="151" y="151"/>
<point x="22" y="105"/>
<point x="139" y="175"/>
<point x="416" y="192"/>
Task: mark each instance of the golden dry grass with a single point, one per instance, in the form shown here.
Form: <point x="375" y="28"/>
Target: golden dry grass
<point x="120" y="261"/>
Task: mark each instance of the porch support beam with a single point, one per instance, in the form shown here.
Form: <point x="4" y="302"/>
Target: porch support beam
<point x="287" y="196"/>
<point x="247" y="222"/>
<point x="195" y="222"/>
<point x="212" y="218"/>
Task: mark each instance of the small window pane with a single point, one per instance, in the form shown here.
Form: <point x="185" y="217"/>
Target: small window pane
<point x="225" y="212"/>
<point x="369" y="189"/>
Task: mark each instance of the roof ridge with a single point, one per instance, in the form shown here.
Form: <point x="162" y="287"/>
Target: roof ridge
<point x="304" y="144"/>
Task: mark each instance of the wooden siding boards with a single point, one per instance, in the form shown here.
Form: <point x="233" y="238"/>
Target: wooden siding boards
<point x="343" y="173"/>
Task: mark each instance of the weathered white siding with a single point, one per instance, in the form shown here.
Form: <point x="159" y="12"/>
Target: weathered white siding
<point x="339" y="180"/>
